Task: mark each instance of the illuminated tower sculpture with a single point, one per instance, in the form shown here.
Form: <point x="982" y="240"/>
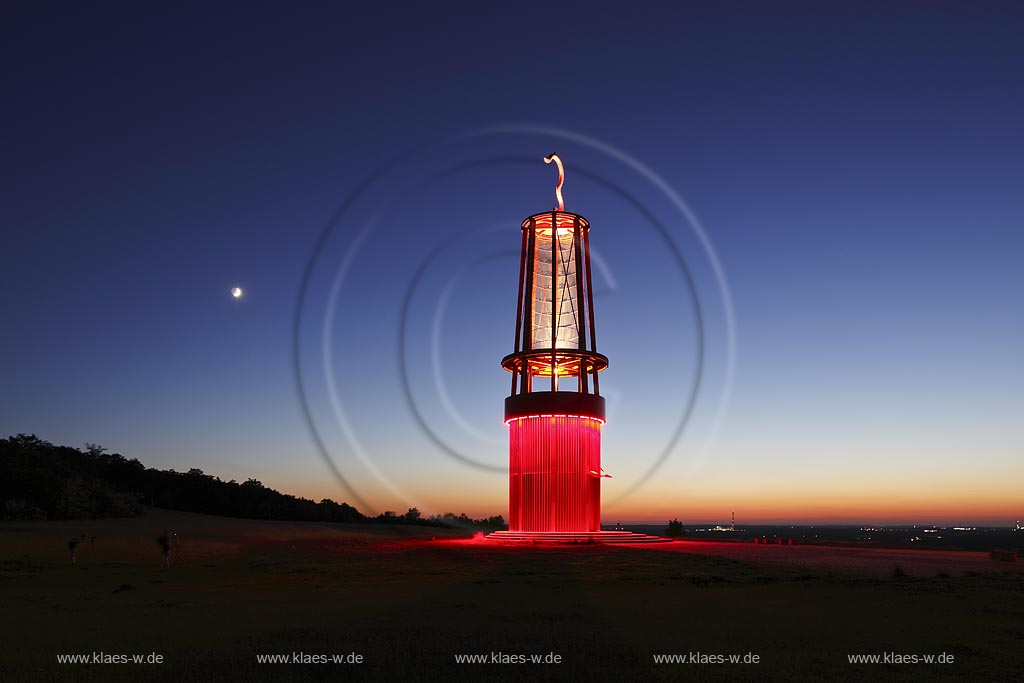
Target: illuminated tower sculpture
<point x="555" y="410"/>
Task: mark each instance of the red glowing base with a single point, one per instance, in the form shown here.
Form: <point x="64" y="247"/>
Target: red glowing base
<point x="604" y="537"/>
<point x="554" y="474"/>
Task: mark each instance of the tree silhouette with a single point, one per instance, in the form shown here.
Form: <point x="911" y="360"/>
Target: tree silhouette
<point x="39" y="480"/>
<point x="674" y="529"/>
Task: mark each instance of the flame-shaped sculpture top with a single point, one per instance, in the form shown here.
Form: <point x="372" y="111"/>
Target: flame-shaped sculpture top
<point x="561" y="179"/>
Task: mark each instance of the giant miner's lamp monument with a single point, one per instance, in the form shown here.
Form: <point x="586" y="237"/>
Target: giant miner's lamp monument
<point x="555" y="410"/>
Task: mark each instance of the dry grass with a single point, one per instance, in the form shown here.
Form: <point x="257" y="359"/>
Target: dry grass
<point x="409" y="604"/>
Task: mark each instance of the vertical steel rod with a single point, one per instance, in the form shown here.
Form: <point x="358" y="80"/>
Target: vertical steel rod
<point x="590" y="306"/>
<point x="581" y="324"/>
<point x="519" y="307"/>
<point x="554" y="288"/>
<point x="526" y="383"/>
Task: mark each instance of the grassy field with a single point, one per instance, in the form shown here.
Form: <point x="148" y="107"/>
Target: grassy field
<point x="408" y="604"/>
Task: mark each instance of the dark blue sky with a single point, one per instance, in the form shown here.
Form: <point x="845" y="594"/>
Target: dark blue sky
<point x="858" y="171"/>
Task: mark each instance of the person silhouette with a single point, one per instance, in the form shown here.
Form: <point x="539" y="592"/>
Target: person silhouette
<point x="165" y="548"/>
<point x="73" y="549"/>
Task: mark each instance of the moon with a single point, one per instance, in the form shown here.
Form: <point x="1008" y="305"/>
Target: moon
<point x="236" y="292"/>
